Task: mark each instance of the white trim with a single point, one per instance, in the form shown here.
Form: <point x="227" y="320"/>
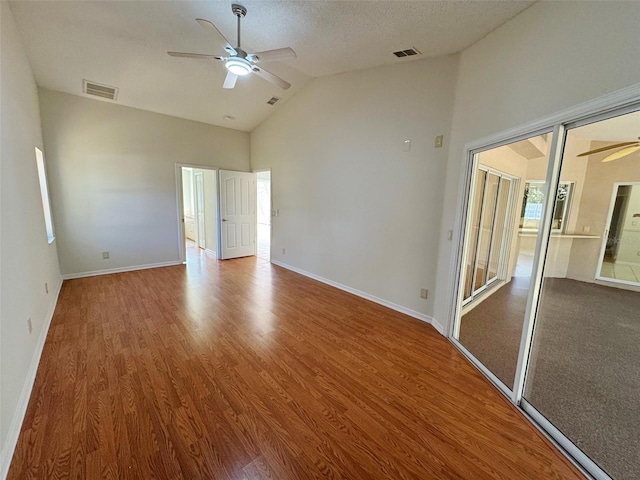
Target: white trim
<point x="499" y="384"/>
<point x="210" y="252"/>
<point x="598" y="106"/>
<point x="576" y="456"/>
<point x="108" y="271"/>
<point x="554" y="163"/>
<point x="367" y="296"/>
<point x="11" y="441"/>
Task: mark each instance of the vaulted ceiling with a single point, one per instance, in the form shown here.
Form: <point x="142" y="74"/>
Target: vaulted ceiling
<point x="124" y="44"/>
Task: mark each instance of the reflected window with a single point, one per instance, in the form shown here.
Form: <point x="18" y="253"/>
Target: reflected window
<point x="532" y="203"/>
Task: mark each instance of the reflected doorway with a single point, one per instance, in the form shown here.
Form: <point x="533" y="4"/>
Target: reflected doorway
<point x="620" y="259"/>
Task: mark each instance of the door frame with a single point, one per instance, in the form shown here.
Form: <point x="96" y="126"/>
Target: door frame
<point x="197" y="192"/>
<point x="271" y="209"/>
<point x="616" y="103"/>
<point x="182" y="253"/>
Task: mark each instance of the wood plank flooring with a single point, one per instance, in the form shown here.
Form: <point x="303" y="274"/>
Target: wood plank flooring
<point x="243" y="370"/>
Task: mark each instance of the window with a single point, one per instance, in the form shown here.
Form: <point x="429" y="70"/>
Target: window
<point x="44" y="193"/>
<point x="532" y="206"/>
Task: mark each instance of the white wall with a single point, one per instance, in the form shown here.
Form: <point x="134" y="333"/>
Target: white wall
<point x="28" y="261"/>
<point x="354" y="208"/>
<point x="552" y="56"/>
<point x="112" y="174"/>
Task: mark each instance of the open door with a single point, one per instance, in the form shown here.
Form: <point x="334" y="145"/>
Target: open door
<point x="199" y="209"/>
<point x="237" y="214"/>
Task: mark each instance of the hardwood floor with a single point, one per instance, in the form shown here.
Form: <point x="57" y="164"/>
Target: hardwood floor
<point x="242" y="370"/>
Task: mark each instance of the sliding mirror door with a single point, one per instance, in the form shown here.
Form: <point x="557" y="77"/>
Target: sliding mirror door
<point x="498" y="254"/>
<point x="583" y="375"/>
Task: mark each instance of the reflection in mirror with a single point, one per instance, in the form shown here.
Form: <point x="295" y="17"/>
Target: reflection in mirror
<point x="498" y="256"/>
<point x="531" y="213"/>
<point x="621" y="255"/>
<point x="583" y="374"/>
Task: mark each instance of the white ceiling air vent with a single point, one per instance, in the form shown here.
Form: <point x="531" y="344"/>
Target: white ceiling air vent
<point x="407" y="53"/>
<point x="273" y="100"/>
<point x="98" y="90"/>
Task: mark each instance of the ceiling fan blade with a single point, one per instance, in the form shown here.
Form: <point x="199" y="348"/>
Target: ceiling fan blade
<point x="604" y="149"/>
<point x="621" y="153"/>
<point x="230" y="80"/>
<point x="209" y="25"/>
<point x="270" y="77"/>
<point x="195" y="55"/>
<point x="270" y="55"/>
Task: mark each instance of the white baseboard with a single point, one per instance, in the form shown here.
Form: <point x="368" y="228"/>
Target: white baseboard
<point x="21" y="409"/>
<point x="210" y="252"/>
<point x="368" y="296"/>
<point x="108" y="271"/>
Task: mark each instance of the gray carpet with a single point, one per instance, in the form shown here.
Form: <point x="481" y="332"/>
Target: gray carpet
<point x="585" y="363"/>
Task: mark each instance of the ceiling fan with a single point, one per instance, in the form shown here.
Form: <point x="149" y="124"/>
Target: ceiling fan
<point x="629" y="148"/>
<point x="239" y="62"/>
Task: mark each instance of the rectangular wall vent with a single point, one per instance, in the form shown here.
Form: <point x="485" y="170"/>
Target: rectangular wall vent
<point x="98" y="90"/>
<point x="407" y="53"/>
<point x="273" y="100"/>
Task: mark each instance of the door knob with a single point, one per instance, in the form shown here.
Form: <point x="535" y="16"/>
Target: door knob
<point x="224" y="219"/>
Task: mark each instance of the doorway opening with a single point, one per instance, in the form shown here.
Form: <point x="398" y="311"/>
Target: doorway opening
<point x="200" y="212"/>
<point x="263" y="214"/>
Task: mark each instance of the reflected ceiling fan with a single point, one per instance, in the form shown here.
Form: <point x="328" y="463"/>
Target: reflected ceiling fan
<point x="239" y="62"/>
<point x="627" y="148"/>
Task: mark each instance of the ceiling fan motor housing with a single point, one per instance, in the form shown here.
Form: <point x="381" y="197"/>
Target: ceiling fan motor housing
<point x="238" y="10"/>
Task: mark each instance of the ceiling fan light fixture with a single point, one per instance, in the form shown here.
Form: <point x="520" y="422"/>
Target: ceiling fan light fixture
<point x="238" y="66"/>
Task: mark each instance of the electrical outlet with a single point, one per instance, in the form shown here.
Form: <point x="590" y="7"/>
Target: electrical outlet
<point x="29" y="326"/>
<point x="284" y="251"/>
<point x="406" y="146"/>
<point x="105" y="255"/>
<point x="450" y="235"/>
<point x="424" y="293"/>
<point x="46" y="287"/>
<point x="586" y="229"/>
<point x="439" y="140"/>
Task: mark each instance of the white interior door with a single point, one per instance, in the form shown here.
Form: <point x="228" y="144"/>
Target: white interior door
<point x="237" y="214"/>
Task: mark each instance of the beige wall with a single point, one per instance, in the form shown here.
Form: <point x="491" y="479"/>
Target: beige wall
<point x="594" y="208"/>
<point x="354" y="207"/>
<point x="28" y="261"/>
<point x="546" y="59"/>
<point x="112" y="174"/>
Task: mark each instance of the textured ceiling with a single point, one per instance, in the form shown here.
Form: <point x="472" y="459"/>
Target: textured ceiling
<point x="124" y="44"/>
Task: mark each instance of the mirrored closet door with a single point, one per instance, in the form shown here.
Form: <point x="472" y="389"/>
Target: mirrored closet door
<point x="548" y="297"/>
